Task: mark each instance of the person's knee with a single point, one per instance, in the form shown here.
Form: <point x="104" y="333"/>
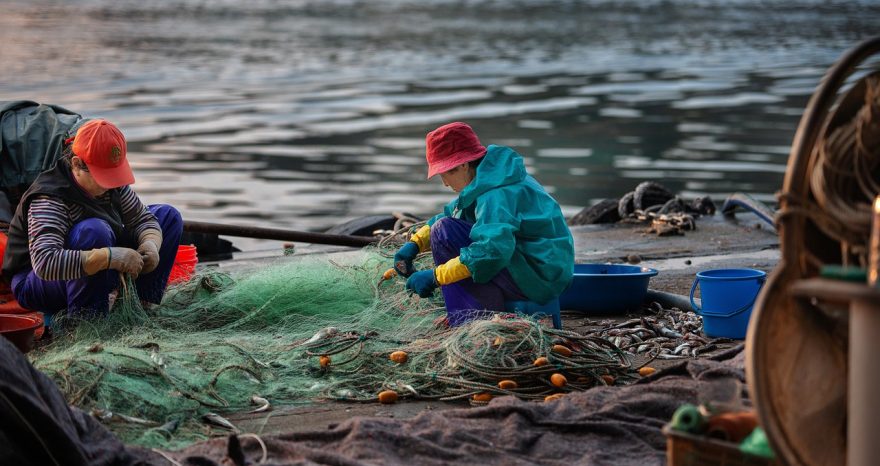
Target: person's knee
<point x="91" y="233"/>
<point x="437" y="233"/>
<point x="441" y="227"/>
<point x="169" y="219"/>
<point x="442" y="223"/>
<point x="450" y="232"/>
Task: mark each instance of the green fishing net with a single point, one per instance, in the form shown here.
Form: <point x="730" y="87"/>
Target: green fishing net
<point x="295" y="331"/>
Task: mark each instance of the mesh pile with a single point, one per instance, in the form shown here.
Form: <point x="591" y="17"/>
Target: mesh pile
<point x="298" y="331"/>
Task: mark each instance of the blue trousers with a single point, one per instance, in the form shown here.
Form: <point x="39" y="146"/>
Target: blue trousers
<point x="465" y="299"/>
<point x="87" y="296"/>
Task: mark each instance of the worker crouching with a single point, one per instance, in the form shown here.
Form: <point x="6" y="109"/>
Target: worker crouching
<point x="79" y="225"/>
<point x="502" y="239"/>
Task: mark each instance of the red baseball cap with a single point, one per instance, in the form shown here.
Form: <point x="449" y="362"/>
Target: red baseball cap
<point x="451" y="145"/>
<point x="101" y="146"/>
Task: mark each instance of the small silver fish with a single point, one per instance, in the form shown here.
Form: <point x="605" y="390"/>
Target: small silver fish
<point x="667" y="332"/>
<point x="102" y="415"/>
<point x="109" y="416"/>
<point x="669" y="356"/>
<point x="170" y="426"/>
<point x="262" y="403"/>
<point x="323" y="333"/>
<point x="219" y="421"/>
<point x="409" y="388"/>
<point x="680" y="348"/>
<point x="261" y="363"/>
<point x="157" y="358"/>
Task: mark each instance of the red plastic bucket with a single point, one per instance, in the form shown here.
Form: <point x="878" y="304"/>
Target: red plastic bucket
<point x="8" y="305"/>
<point x="184" y="264"/>
<point x="37" y="316"/>
<point x="3" y="286"/>
<point x="3" y="240"/>
<point x="19" y="329"/>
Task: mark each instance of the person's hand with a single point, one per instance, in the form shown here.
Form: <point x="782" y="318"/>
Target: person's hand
<point x="126" y="260"/>
<point x="422" y="283"/>
<point x="150" y="254"/>
<point x="403" y="260"/>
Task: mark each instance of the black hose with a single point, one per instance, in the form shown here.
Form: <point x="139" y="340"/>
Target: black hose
<point x="276" y="234"/>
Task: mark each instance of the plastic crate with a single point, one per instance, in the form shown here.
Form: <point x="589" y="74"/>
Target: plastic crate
<point x="683" y="449"/>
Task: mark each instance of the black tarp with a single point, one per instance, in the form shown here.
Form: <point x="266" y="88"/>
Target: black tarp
<point x="617" y="426"/>
<point x="37" y="427"/>
<point x="601" y="426"/>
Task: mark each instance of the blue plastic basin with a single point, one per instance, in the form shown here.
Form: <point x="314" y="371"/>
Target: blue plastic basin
<point x="606" y="288"/>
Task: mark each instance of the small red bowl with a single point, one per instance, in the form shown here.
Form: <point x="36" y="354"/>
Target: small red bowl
<point x="19" y="329"/>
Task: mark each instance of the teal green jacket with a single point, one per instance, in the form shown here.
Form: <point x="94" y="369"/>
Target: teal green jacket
<point x="517" y="226"/>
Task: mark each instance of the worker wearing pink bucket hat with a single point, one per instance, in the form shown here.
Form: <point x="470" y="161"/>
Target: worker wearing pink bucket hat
<point x="80" y="225"/>
<point x="503" y="239"/>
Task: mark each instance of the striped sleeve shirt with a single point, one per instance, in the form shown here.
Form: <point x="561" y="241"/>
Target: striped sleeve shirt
<point x="50" y="220"/>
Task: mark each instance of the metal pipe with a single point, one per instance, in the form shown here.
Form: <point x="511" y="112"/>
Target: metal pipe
<point x="670" y="300"/>
<point x="276" y="234"/>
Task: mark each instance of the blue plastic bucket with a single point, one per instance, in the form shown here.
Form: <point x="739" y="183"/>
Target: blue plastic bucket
<point x="598" y="289"/>
<point x="728" y="296"/>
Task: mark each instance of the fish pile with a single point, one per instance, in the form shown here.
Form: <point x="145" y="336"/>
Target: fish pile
<point x="661" y="334"/>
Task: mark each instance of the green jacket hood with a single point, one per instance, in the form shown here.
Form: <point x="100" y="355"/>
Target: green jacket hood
<point x="501" y="166"/>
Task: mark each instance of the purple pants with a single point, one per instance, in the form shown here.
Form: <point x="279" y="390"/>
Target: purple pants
<point x="88" y="296"/>
<point x="466" y="300"/>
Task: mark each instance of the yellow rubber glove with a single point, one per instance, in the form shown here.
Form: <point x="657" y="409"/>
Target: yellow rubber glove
<point x="422" y="238"/>
<point x="451" y="272"/>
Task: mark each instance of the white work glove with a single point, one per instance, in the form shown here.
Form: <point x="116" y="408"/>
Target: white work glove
<point x="126" y="260"/>
<point x="150" y="253"/>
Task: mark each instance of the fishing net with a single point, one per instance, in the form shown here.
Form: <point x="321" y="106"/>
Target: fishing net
<point x="297" y="331"/>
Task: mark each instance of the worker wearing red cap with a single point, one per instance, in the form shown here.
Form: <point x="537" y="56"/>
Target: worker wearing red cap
<point x="79" y="225"/>
<point x="502" y="239"/>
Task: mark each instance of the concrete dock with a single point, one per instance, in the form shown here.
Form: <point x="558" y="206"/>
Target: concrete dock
<point x="742" y="241"/>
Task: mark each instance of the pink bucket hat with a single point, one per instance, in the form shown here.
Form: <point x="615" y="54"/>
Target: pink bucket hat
<point x="451" y="145"/>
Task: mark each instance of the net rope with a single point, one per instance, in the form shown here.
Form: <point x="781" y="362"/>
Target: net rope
<point x="298" y="331"/>
<point x="844" y="179"/>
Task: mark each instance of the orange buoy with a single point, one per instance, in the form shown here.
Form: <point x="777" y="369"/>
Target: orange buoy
<point x="561" y="350"/>
<point x="324" y="360"/>
<point x="507" y="385"/>
<point x="388" y="275"/>
<point x="554" y="397"/>
<point x="542" y="361"/>
<point x="399" y="357"/>
<point x="558" y="380"/>
<point x="387" y="397"/>
<point x="646" y="371"/>
<point x="482" y="397"/>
